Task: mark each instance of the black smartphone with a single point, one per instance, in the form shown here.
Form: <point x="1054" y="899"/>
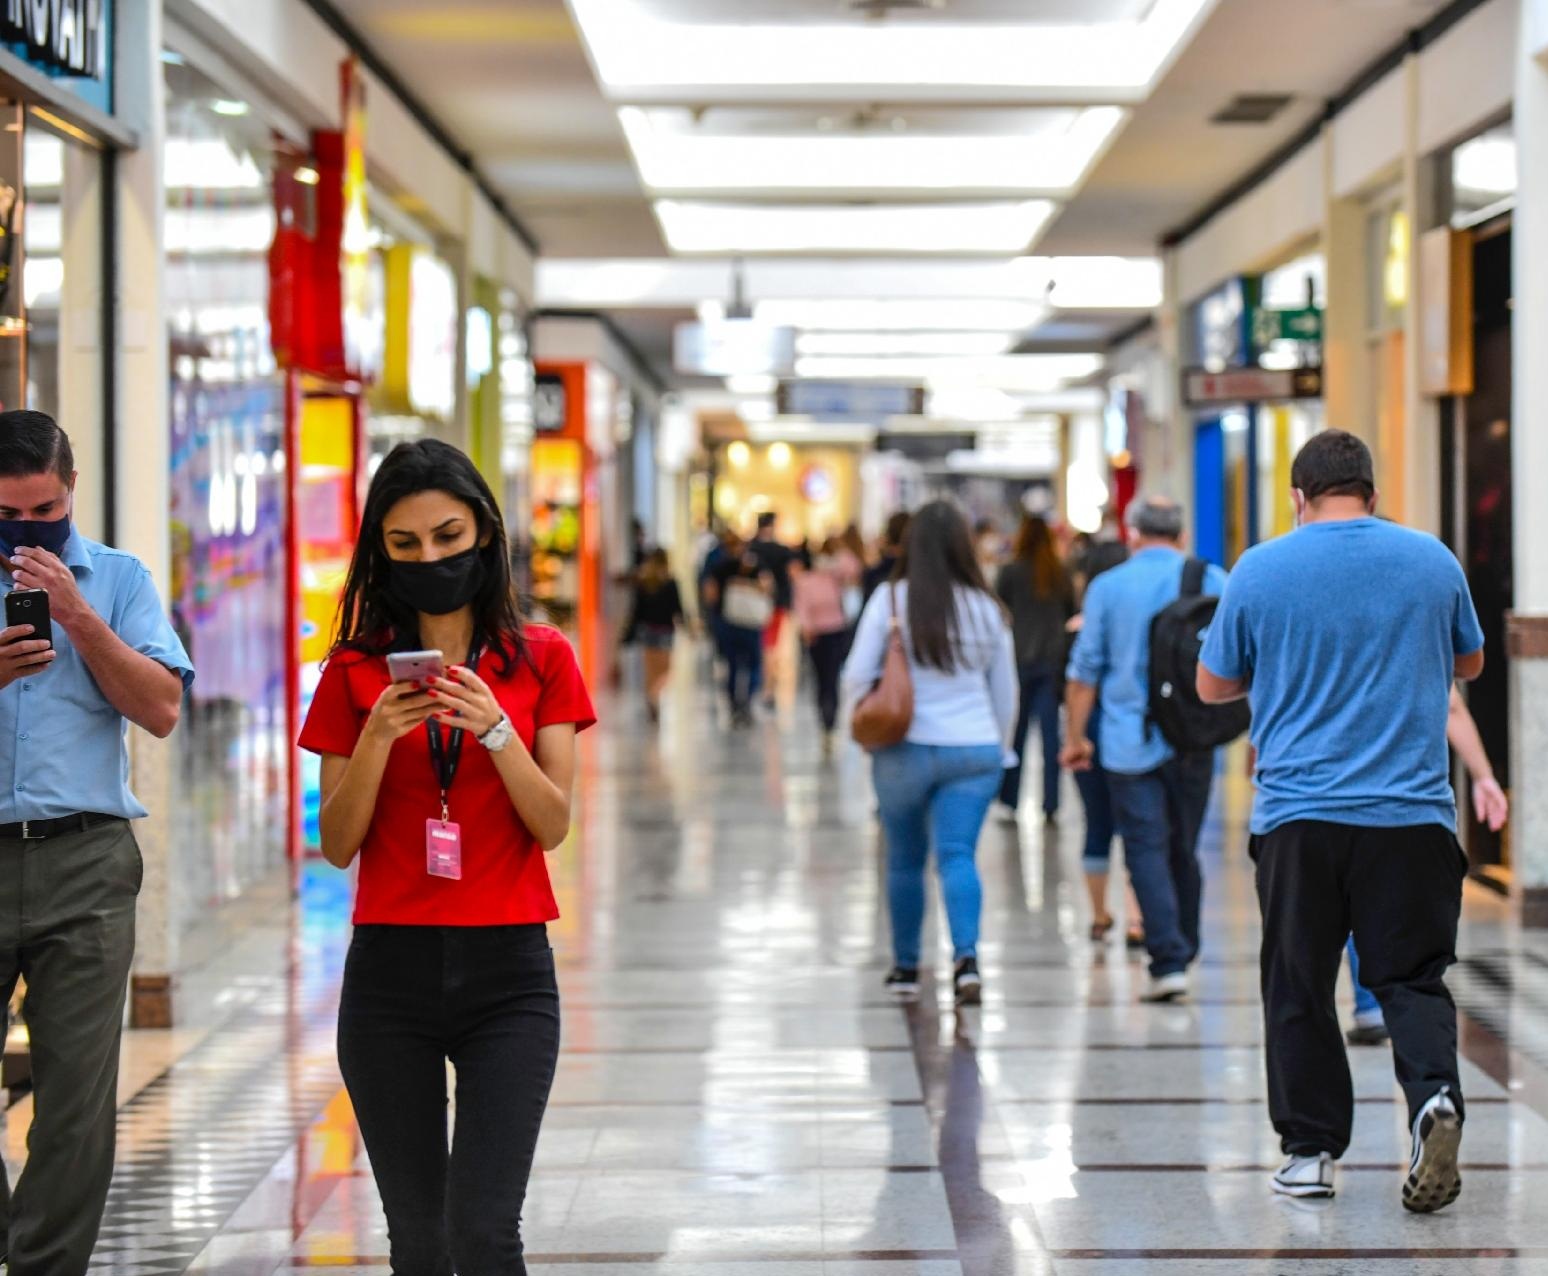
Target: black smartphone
<point x="30" y="607"/>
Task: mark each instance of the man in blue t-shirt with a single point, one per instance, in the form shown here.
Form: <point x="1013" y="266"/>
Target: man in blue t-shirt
<point x="1345" y="636"/>
<point x="1159" y="796"/>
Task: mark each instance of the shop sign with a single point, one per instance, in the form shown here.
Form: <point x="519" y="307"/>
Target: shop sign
<point x="550" y="404"/>
<point x="1202" y="388"/>
<point x="65" y="34"/>
<point x="733" y="347"/>
<point x="1269" y="326"/>
<point x="852" y="402"/>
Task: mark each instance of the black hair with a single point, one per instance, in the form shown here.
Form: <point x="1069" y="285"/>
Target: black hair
<point x="937" y="558"/>
<point x="371" y="620"/>
<point x="1334" y="463"/>
<point x="765" y="520"/>
<point x="32" y="443"/>
<point x="897" y="529"/>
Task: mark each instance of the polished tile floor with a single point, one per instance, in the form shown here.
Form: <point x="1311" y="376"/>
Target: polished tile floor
<point x="738" y="1098"/>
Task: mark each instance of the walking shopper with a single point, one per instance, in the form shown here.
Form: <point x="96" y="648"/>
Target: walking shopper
<point x="100" y="654"/>
<point x="742" y="594"/>
<point x="1492" y="809"/>
<point x="1037" y="590"/>
<point x="449" y="789"/>
<point x="1159" y="795"/>
<point x="776" y="560"/>
<point x="653" y="621"/>
<point x="819" y="610"/>
<point x="1353" y="827"/>
<point x="887" y="555"/>
<point x="935" y="787"/>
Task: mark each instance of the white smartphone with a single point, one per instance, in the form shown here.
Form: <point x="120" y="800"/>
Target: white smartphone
<point x="415" y="666"/>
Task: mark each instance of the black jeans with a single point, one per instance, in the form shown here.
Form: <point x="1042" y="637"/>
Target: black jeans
<point x="1400" y="891"/>
<point x="828" y="652"/>
<point x="1040" y="700"/>
<point x="1159" y="814"/>
<point x="483" y="997"/>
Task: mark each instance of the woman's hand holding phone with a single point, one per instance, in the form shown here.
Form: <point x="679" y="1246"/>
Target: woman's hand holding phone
<point x="466" y="701"/>
<point x="21" y="654"/>
<point x="398" y="710"/>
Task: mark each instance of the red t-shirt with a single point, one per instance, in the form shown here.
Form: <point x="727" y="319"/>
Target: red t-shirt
<point x="504" y="875"/>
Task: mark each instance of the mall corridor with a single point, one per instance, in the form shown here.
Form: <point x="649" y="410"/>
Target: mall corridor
<point x="738" y="1097"/>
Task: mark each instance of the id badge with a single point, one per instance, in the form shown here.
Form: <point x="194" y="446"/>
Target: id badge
<point x="443" y="849"/>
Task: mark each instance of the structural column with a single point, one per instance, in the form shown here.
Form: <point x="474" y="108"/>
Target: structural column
<point x="143" y="473"/>
<point x="1529" y="462"/>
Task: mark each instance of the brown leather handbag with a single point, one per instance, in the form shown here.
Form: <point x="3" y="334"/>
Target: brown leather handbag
<point x="882" y="717"/>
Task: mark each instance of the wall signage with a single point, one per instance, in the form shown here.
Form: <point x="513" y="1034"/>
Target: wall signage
<point x="857" y="402"/>
<point x="1202" y="388"/>
<point x="65" y="34"/>
<point x="550" y="403"/>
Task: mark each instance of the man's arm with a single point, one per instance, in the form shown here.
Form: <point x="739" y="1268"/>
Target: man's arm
<point x="145" y="691"/>
<point x="1214" y="689"/>
<point x="1468" y="667"/>
<point x="1079" y="701"/>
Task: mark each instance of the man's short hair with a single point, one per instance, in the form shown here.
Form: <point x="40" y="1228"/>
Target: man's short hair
<point x="765" y="520"/>
<point x="1155" y="516"/>
<point x="1334" y="463"/>
<point x="32" y="443"/>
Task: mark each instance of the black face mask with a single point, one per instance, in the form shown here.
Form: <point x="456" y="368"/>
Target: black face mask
<point x="439" y="587"/>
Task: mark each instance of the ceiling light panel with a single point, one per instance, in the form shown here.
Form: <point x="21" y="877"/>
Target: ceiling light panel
<point x="677" y="154"/>
<point x="642" y="56"/>
<point x="1013" y="372"/>
<point x="842" y="314"/>
<point x="904" y="344"/>
<point x="993" y="229"/>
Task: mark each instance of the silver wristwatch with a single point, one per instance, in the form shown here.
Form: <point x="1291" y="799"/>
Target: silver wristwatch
<point x="498" y="736"/>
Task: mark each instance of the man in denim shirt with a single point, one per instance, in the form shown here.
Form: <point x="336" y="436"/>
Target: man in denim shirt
<point x="70" y="870"/>
<point x="1158" y="795"/>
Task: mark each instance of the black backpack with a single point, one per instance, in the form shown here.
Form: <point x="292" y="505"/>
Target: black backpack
<point x="1176" y="638"/>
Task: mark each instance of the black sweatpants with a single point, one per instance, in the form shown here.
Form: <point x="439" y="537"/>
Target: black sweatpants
<point x="828" y="652"/>
<point x="1400" y="891"/>
<point x="485" y="998"/>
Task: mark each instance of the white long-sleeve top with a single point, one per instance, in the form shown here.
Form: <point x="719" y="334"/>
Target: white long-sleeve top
<point x="975" y="704"/>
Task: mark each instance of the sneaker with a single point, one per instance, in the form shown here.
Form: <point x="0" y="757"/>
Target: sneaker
<point x="1433" y="1180"/>
<point x="903" y="982"/>
<point x="1305" y="1176"/>
<point x="967" y="984"/>
<point x="1006" y="813"/>
<point x="1167" y="988"/>
<point x="1368" y="1034"/>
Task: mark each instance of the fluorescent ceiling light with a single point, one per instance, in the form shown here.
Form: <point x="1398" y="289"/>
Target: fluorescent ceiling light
<point x="980" y="228"/>
<point x="803" y="429"/>
<point x="904" y="344"/>
<point x="675" y="154"/>
<point x="974" y="403"/>
<point x="1093" y="283"/>
<point x="1025" y="372"/>
<point x="842" y="314"/>
<point x="752" y="383"/>
<point x="639" y="54"/>
<point x="226" y="106"/>
<point x="1486" y="165"/>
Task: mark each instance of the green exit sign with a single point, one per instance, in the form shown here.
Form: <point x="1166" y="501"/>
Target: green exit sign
<point x="1287" y="325"/>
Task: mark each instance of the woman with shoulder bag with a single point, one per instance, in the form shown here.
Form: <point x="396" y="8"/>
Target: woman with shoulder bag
<point x="743" y="591"/>
<point x="936" y="784"/>
<point x="449" y="789"/>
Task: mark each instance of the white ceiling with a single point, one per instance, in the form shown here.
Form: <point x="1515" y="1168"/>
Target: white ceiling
<point x="512" y="81"/>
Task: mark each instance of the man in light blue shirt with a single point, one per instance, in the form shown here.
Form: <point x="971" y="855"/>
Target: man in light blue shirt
<point x="70" y="870"/>
<point x="1159" y="797"/>
<point x="1346" y="636"/>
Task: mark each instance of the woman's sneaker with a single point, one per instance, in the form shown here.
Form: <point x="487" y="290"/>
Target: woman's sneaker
<point x="1306" y="1176"/>
<point x="1433" y="1180"/>
<point x="967" y="984"/>
<point x="903" y="982"/>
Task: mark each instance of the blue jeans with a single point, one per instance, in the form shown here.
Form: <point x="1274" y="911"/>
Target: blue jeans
<point x="1159" y="814"/>
<point x="1097" y="798"/>
<point x="744" y="659"/>
<point x="938" y="793"/>
<point x="1039" y="699"/>
<point x="1366" y="1004"/>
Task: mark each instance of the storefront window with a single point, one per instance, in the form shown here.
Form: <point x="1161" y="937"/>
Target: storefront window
<point x="229" y="575"/>
<point x="61" y="279"/>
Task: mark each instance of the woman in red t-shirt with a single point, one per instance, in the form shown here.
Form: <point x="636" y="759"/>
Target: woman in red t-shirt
<point x="449" y="791"/>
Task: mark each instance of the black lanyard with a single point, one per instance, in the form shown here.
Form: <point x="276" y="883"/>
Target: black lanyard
<point x="445" y="756"/>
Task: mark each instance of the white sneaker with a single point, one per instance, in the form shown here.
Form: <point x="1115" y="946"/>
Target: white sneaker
<point x="1433" y="1180"/>
<point x="1305" y="1176"/>
<point x="1165" y="988"/>
<point x="1006" y="814"/>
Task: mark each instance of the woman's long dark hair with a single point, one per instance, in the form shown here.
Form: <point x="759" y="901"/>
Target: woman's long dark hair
<point x="370" y="619"/>
<point x="937" y="559"/>
<point x="1035" y="551"/>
